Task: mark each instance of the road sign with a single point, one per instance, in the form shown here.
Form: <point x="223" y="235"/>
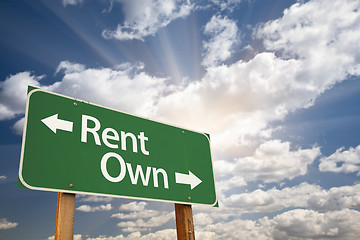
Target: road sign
<point x="74" y="146"/>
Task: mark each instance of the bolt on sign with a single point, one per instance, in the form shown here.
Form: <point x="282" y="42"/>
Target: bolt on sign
<point x="77" y="147"/>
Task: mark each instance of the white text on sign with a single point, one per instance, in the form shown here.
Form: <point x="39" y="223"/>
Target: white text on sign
<point x="111" y="134"/>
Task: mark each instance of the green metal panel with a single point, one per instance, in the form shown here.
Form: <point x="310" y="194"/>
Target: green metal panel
<point x="69" y="160"/>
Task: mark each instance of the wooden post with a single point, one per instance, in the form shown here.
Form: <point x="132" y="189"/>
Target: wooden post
<point x="184" y="222"/>
<point x="65" y="211"/>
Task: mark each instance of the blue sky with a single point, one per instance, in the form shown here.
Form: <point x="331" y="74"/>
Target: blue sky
<point x="275" y="83"/>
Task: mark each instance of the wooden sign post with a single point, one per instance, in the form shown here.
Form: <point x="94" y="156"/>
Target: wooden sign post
<point x="65" y="211"/>
<point x="184" y="222"/>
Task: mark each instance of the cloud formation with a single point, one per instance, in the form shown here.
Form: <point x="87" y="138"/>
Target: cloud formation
<point x="13" y="93"/>
<point x="342" y="161"/>
<point x="71" y="2"/>
<point x="223" y="34"/>
<point x="312" y="47"/>
<point x="133" y="206"/>
<point x="273" y="161"/>
<point x="304" y="195"/>
<point x="144" y="18"/>
<point x="5" y="224"/>
<point x="291" y="225"/>
<point x="87" y="208"/>
<point x="139" y="218"/>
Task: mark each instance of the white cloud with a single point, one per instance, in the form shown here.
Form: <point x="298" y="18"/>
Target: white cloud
<point x="202" y="219"/>
<point x="272" y="161"/>
<point x="292" y="225"/>
<point x="309" y="224"/>
<point x="235" y="229"/>
<point x="69" y="67"/>
<point x="335" y="198"/>
<point x="142" y="219"/>
<point x="133" y="206"/>
<point x="166" y="234"/>
<point x="2" y="178"/>
<point x="75" y="237"/>
<point x="87" y="208"/>
<point x="302" y="196"/>
<point x="18" y="127"/>
<point x="144" y="18"/>
<point x="321" y="35"/>
<point x="144" y="225"/>
<point x="130" y="90"/>
<point x="224" y="36"/>
<point x="231" y="183"/>
<point x="13" y="93"/>
<point x="5" y="224"/>
<point x="273" y="199"/>
<point x="146" y="213"/>
<point x="342" y="161"/>
<point x="234" y="103"/>
<point x="71" y="2"/>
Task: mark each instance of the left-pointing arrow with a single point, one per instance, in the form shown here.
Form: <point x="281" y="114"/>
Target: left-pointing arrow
<point x="54" y="123"/>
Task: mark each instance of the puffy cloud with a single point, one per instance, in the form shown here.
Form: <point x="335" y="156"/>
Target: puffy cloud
<point x="87" y="208"/>
<point x="237" y="101"/>
<point x="273" y="199"/>
<point x="309" y="224"/>
<point x="272" y="161"/>
<point x="144" y="18"/>
<point x="302" y="196"/>
<point x="2" y="178"/>
<point x="321" y="35"/>
<point x="133" y="206"/>
<point x="130" y="89"/>
<point x="18" y="127"/>
<point x="231" y="183"/>
<point x="145" y="225"/>
<point x="224" y="35"/>
<point x="293" y="225"/>
<point x="144" y="219"/>
<point x="69" y="67"/>
<point x="13" y="93"/>
<point x="343" y="161"/>
<point x="242" y="98"/>
<point x="235" y="229"/>
<point x="166" y="234"/>
<point x="335" y="198"/>
<point x="202" y="219"/>
<point x="234" y="103"/>
<point x="5" y="224"/>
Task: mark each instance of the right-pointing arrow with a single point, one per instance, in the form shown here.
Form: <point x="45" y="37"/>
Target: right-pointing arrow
<point x="190" y="179"/>
<point x="54" y="123"/>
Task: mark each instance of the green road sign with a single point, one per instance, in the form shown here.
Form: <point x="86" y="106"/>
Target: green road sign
<point x="78" y="147"/>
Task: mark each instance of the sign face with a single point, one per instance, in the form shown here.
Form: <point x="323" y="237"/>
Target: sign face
<point x="74" y="146"/>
